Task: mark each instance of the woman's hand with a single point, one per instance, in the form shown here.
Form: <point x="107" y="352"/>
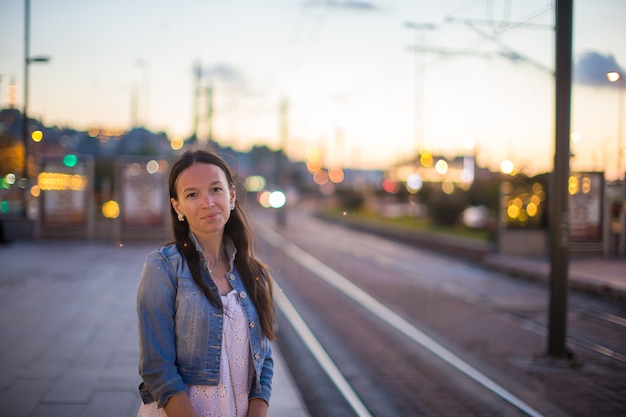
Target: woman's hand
<point x="257" y="407"/>
<point x="179" y="405"/>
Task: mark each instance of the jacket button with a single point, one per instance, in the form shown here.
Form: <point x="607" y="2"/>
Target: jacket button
<point x="243" y="294"/>
<point x="231" y="277"/>
<point x="257" y="356"/>
<point x="252" y="325"/>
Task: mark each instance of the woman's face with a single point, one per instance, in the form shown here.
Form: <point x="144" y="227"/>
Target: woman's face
<point x="204" y="198"/>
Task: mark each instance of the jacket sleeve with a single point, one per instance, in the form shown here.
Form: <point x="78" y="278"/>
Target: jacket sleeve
<point x="156" y="305"/>
<point x="267" y="374"/>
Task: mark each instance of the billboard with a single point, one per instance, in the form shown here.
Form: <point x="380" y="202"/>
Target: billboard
<point x="144" y="195"/>
<point x="586" y="194"/>
<point x="65" y="190"/>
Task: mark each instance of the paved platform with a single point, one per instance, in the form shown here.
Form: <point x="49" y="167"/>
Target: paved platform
<point x="68" y="325"/>
<point x="596" y="275"/>
<point x="69" y="332"/>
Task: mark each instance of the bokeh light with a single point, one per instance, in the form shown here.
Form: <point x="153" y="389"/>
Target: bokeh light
<point x="111" y="209"/>
<point x="37" y="136"/>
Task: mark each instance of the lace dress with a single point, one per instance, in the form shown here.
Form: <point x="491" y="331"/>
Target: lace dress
<point x="230" y="397"/>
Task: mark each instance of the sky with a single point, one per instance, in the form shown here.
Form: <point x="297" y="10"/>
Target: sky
<point x="355" y="81"/>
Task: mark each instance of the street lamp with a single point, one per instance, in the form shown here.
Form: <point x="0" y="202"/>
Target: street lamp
<point x="27" y="61"/>
<point x="617" y="77"/>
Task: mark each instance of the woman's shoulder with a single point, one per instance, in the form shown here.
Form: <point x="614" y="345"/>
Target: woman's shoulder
<point x="168" y="253"/>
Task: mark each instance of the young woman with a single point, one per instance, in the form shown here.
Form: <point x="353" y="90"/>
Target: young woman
<point x="205" y="304"/>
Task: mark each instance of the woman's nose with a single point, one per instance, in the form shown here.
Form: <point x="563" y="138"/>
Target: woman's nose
<point x="208" y="200"/>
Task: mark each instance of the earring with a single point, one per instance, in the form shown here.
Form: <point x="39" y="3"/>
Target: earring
<point x="181" y="217"/>
<point x="232" y="206"/>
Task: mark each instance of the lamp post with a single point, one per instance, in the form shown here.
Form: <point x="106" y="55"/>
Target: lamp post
<point x="27" y="61"/>
<point x="617" y="77"/>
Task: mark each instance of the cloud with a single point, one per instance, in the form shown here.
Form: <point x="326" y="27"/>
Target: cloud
<point x="345" y="5"/>
<point x="225" y="73"/>
<point x="590" y="68"/>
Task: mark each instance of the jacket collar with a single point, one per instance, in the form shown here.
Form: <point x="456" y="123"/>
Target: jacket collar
<point x="229" y="247"/>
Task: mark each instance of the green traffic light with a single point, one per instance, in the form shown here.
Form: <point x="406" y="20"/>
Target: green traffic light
<point x="70" y="160"/>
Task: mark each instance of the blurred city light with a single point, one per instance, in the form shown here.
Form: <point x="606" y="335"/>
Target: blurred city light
<point x="70" y="160"/>
<point x="277" y="199"/>
<point x="177" y="143"/>
<point x="134" y="169"/>
<point x="414" y="183"/>
<point x="336" y="175"/>
<point x="152" y="167"/>
<point x="35" y="191"/>
<point x="613" y="76"/>
<point x="111" y="209"/>
<point x="426" y="160"/>
<point x="57" y="181"/>
<point x="507" y="167"/>
<point x="254" y="183"/>
<point x="264" y="198"/>
<point x="447" y="187"/>
<point x="390" y="186"/>
<point x="522" y="206"/>
<point x="37" y="136"/>
<point x="441" y="167"/>
<point x="320" y="177"/>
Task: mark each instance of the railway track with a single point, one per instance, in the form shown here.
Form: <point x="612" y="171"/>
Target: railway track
<point x="368" y="332"/>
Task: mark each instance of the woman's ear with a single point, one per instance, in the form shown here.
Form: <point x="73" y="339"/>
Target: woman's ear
<point x="233" y="196"/>
<point x="176" y="205"/>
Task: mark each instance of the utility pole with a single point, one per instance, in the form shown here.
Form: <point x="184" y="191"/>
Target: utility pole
<point x="25" y="108"/>
<point x="281" y="155"/>
<point x="197" y="73"/>
<point x="559" y="210"/>
<point x="209" y="116"/>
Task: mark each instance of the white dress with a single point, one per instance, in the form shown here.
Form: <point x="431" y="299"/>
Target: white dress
<point x="230" y="397"/>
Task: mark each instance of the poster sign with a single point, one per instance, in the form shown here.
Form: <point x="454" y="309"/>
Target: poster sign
<point x="144" y="193"/>
<point x="585" y="205"/>
<point x="64" y="192"/>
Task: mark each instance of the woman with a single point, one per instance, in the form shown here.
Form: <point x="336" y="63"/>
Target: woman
<point x="205" y="304"/>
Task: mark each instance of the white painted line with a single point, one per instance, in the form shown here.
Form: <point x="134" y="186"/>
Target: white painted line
<point x="348" y="288"/>
<point x="320" y="355"/>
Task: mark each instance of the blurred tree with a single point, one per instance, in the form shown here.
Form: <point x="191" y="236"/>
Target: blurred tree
<point x="444" y="209"/>
<point x="485" y="192"/>
<point x="11" y="155"/>
<point x="349" y="198"/>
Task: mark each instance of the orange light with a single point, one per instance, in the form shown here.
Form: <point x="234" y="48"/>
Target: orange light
<point x="336" y="175"/>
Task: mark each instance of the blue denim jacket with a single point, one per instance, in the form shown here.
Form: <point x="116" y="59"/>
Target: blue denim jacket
<point x="180" y="331"/>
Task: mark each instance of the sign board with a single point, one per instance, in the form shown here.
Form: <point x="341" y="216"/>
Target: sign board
<point x="65" y="192"/>
<point x="144" y="193"/>
<point x="586" y="194"/>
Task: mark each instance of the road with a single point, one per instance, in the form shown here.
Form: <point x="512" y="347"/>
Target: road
<point x="372" y="327"/>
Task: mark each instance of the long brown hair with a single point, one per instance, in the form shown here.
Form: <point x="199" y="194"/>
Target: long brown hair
<point x="254" y="273"/>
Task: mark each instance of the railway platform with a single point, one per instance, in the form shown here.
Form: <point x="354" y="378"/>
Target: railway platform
<point x="69" y="332"/>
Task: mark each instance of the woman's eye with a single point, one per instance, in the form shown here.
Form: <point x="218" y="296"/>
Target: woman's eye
<point x="191" y="195"/>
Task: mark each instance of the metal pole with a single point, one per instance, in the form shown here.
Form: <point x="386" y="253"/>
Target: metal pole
<point x="559" y="213"/>
<point x="620" y="155"/>
<point x="620" y="117"/>
<point x="209" y="115"/>
<point x="281" y="174"/>
<point x="25" y="109"/>
<point x="197" y="74"/>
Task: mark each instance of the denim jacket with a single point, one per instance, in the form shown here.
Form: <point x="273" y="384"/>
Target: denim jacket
<point x="180" y="331"/>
